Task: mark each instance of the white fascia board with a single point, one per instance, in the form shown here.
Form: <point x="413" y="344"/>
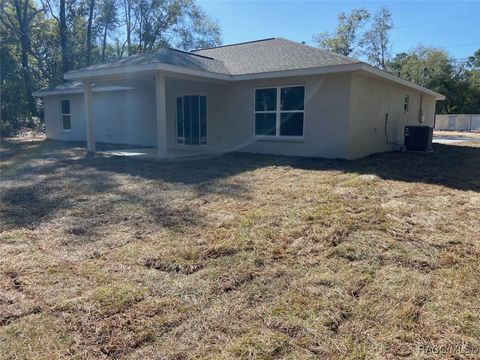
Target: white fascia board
<point x="91" y="74"/>
<point x="299" y="72"/>
<point x="360" y="66"/>
<point x="41" y="93"/>
<point x="124" y="70"/>
<point x="383" y="74"/>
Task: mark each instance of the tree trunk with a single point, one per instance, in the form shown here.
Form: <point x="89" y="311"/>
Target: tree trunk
<point x="104" y="43"/>
<point x="140" y="32"/>
<point x="27" y="76"/>
<point x="88" y="60"/>
<point x="22" y="15"/>
<point x="128" y="24"/>
<point x="63" y="37"/>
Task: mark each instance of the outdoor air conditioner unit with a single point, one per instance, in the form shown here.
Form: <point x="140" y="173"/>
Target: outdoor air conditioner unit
<point x="418" y="138"/>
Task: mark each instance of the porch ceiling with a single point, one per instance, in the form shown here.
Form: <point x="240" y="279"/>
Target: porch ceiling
<point x="137" y="79"/>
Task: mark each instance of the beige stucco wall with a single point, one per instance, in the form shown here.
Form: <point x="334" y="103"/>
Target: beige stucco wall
<point x="344" y="115"/>
<point x="371" y="99"/>
<point x="123" y="117"/>
<point x="230" y="113"/>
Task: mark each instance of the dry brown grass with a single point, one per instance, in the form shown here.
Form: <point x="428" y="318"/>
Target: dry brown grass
<point x="473" y="135"/>
<point x="240" y="256"/>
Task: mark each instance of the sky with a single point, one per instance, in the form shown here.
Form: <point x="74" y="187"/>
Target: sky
<point x="454" y="25"/>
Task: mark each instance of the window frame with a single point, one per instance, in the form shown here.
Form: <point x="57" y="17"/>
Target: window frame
<point x="406" y="103"/>
<point x="278" y="114"/>
<point x="182" y="95"/>
<point x="69" y="114"/>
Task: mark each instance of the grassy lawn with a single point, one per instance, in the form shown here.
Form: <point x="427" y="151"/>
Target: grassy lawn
<point x="240" y="256"/>
<point x="473" y="135"/>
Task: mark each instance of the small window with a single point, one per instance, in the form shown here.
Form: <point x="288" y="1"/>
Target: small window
<point x="66" y="116"/>
<point x="406" y="101"/>
<point x="279" y="111"/>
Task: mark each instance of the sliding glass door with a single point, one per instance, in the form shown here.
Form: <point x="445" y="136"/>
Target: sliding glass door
<point x="191" y="120"/>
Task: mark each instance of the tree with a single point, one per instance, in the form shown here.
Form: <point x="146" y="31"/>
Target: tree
<point x="346" y="37"/>
<point x="178" y="23"/>
<point x="107" y="21"/>
<point x="61" y="18"/>
<point x="432" y="68"/>
<point x="17" y="16"/>
<point x="88" y="56"/>
<point x="472" y="79"/>
<point x="63" y="36"/>
<point x="474" y="60"/>
<point x="198" y="31"/>
<point x="376" y="41"/>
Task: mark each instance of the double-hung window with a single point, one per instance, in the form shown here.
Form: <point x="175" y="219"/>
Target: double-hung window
<point x="406" y="103"/>
<point x="66" y="116"/>
<point x="279" y="111"/>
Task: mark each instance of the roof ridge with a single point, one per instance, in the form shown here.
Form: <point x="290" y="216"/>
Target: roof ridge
<point x="189" y="53"/>
<point x="316" y="48"/>
<point x="235" y="44"/>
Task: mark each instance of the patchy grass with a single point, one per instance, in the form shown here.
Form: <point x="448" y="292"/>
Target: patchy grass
<point x="239" y="256"/>
<point x="474" y="135"/>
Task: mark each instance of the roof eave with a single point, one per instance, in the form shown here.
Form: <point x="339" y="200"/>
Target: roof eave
<point x="383" y="74"/>
<point x="144" y="68"/>
<point x="298" y="72"/>
<point x="359" y="66"/>
<point x="42" y="93"/>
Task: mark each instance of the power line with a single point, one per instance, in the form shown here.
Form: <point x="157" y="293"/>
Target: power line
<point x="460" y="45"/>
<point x="435" y="21"/>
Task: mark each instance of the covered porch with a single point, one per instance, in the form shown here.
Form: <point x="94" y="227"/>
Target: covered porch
<point x="163" y="88"/>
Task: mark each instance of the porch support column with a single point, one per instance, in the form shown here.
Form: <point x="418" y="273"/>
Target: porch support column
<point x="87" y="100"/>
<point x="161" y="113"/>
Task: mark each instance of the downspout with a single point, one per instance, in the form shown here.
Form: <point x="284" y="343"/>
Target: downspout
<point x="420" y="110"/>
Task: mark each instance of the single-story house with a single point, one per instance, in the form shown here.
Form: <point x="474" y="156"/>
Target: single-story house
<point x="271" y="96"/>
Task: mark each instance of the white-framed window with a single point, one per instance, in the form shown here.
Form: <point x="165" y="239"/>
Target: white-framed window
<point x="406" y="102"/>
<point x="280" y="111"/>
<point x="191" y="117"/>
<point x="66" y="116"/>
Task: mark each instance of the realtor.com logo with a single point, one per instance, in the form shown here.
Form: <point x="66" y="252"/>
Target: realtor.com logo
<point x="452" y="349"/>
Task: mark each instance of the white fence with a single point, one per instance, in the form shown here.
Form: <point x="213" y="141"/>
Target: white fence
<point x="459" y="122"/>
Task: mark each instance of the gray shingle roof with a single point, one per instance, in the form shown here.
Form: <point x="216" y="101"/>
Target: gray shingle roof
<point x="229" y="61"/>
<point x="166" y="56"/>
<point x="274" y="54"/>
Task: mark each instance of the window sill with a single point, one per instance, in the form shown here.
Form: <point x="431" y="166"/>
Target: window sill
<point x="67" y="131"/>
<point x="191" y="146"/>
<point x="279" y="138"/>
